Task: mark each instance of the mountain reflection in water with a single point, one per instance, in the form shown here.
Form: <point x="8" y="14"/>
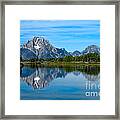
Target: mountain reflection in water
<point x="40" y="77"/>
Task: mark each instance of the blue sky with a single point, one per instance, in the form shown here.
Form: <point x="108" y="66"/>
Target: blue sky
<point x="69" y="34"/>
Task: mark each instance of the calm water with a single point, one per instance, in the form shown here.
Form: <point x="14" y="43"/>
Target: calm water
<point x="50" y="83"/>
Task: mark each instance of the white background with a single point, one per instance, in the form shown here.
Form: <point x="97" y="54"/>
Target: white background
<point x="13" y="104"/>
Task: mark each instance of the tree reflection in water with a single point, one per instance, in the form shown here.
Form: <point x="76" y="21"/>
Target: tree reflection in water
<point x="40" y="77"/>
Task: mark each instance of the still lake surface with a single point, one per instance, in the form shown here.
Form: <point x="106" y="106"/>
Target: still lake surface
<point x="60" y="83"/>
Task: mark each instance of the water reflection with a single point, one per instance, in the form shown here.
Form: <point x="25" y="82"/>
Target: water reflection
<point x="40" y="77"/>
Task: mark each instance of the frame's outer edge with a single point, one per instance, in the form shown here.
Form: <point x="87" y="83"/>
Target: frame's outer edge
<point x="118" y="60"/>
<point x="0" y="68"/>
<point x="59" y="2"/>
<point x="117" y="23"/>
<point x="2" y="57"/>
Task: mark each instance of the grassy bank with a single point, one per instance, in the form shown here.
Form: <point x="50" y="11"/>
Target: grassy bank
<point x="59" y="64"/>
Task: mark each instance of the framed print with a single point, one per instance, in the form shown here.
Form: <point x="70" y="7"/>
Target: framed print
<point x="59" y="59"/>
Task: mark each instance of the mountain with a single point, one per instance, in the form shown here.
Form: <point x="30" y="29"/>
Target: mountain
<point x="76" y="53"/>
<point x="43" y="49"/>
<point x="39" y="47"/>
<point x="27" y="54"/>
<point x="91" y="49"/>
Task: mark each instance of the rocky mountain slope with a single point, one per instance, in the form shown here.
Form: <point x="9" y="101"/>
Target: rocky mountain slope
<point x="91" y="49"/>
<point x="39" y="47"/>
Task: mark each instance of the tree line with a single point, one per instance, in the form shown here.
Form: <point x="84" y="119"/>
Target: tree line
<point x="90" y="57"/>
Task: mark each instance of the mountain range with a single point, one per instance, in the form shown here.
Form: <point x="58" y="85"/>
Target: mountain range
<point x="39" y="47"/>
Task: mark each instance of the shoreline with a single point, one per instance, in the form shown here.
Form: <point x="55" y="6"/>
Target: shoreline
<point x="71" y="64"/>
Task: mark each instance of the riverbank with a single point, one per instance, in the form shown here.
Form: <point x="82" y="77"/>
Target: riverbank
<point x="59" y="64"/>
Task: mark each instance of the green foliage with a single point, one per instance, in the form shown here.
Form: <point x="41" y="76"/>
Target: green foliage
<point x="89" y="58"/>
<point x="68" y="58"/>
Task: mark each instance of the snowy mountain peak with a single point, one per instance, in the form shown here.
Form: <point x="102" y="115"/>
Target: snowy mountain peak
<point x="91" y="49"/>
<point x="41" y="48"/>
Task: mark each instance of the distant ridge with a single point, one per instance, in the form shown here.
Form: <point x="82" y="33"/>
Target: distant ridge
<point x="39" y="47"/>
<point x="91" y="49"/>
